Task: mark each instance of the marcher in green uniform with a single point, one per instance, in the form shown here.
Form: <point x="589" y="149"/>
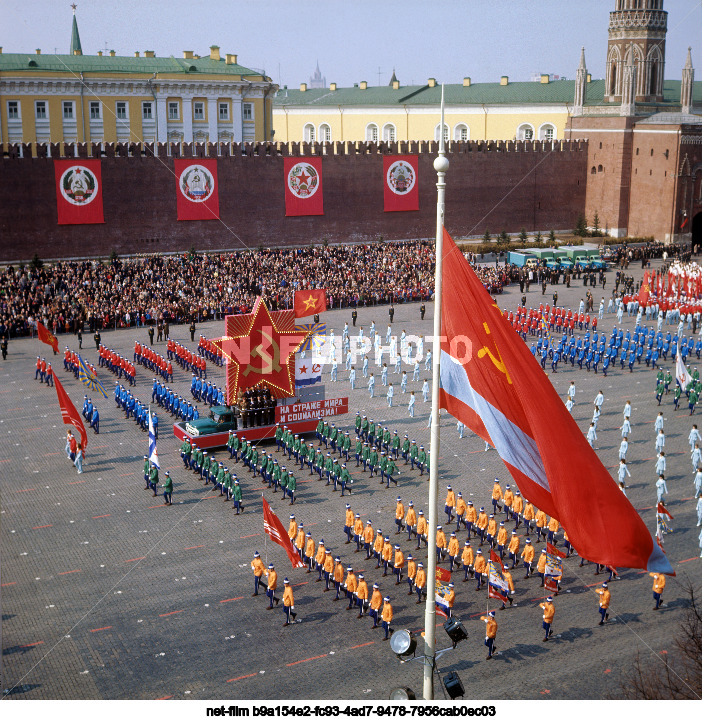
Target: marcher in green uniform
<point x="358" y="450"/>
<point x="414" y="453"/>
<point x="284" y="475"/>
<point x="275" y="475"/>
<point x="185" y="452"/>
<point x="236" y="495"/>
<point x="319" y="433"/>
<point x="336" y="472"/>
<point x="147" y="469"/>
<point x="660" y="389"/>
<point x="345" y="447"/>
<point x="319" y="462"/>
<point x="421" y="460"/>
<point x="167" y="490"/>
<point x="153" y="479"/>
<point x="328" y="467"/>
<point x="358" y="423"/>
<point x="292" y="487"/>
<point x="395" y="445"/>
<point x="345" y="478"/>
<point x="373" y="460"/>
<point x="390" y="472"/>
<point x="278" y="436"/>
<point x="365" y="455"/>
<point x="406" y="449"/>
<point x="382" y="463"/>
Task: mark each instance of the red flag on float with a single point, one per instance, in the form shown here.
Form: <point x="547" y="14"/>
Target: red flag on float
<point x="46" y="336"/>
<point x="197" y="192"/>
<point x="309" y="302"/>
<point x="71" y="417"/>
<point x="492" y="383"/>
<point x="274" y="528"/>
<point x="645" y="290"/>
<point x="303" y="186"/>
<point x="401" y="189"/>
<point x="78" y="191"/>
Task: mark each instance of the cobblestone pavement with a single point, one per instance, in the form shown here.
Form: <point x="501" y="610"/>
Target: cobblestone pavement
<point x="108" y="594"/>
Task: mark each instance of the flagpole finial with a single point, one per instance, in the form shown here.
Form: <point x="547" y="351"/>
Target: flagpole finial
<point x="441" y="163"/>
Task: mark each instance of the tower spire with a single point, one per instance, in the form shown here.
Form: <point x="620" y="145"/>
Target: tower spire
<point x="580" y="81"/>
<point x="688" y="79"/>
<point x="76" y="48"/>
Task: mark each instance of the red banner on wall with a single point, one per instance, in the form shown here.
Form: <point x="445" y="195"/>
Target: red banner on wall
<point x="196" y="188"/>
<point x="78" y="191"/>
<point x="311" y="410"/>
<point x="303" y="186"/>
<point x="401" y="186"/>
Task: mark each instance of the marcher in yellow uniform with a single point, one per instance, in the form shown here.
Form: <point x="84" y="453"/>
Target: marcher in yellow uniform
<point x="453" y="550"/>
<point x="528" y="556"/>
<point x="467" y="559"/>
<point x="553" y="526"/>
<point x="378" y="547"/>
<point x="479" y="568"/>
<point x="338" y="576"/>
<point x="449" y="503"/>
<point x="440" y="544"/>
<point x="288" y="603"/>
<point x="541" y="566"/>
<point x="501" y="539"/>
<point x="368" y="534"/>
<point x="422" y="530"/>
<point x="513" y="549"/>
<point x="410" y="520"/>
<point x="351" y="584"/>
<point x="420" y="581"/>
<point x="658" y="586"/>
<point x="411" y="573"/>
<point x="460" y="511"/>
<point x="471" y="518"/>
<point x="387" y="554"/>
<point x="348" y="523"/>
<point x="375" y="603"/>
<point x="292" y="528"/>
<point x="272" y="577"/>
<point x="490" y="633"/>
<point x="510" y="585"/>
<point x="450" y="597"/>
<point x="399" y="515"/>
<point x="358" y="532"/>
<point x="508" y="500"/>
<point x="481" y="525"/>
<point x="496" y="496"/>
<point x="549" y="613"/>
<point x="491" y="530"/>
<point x="541" y="523"/>
<point x="361" y="595"/>
<point x="528" y="516"/>
<point x="605" y="598"/>
<point x="300" y="540"/>
<point x="517" y="508"/>
<point x="398" y="563"/>
<point x="258" y="569"/>
<point x="309" y="551"/>
<point x="328" y="569"/>
<point x="386" y="615"/>
<point x="319" y="559"/>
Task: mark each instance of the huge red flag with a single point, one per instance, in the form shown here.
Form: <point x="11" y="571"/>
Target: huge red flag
<point x="303" y="186"/>
<point x="309" y="302"/>
<point x="46" y="336"/>
<point x="71" y="417"/>
<point x="274" y="528"/>
<point x="197" y="191"/>
<point x="492" y="383"/>
<point x="645" y="290"/>
<point x="401" y="186"/>
<point x="78" y="191"/>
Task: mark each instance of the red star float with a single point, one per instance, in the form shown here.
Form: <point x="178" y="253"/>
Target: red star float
<point x="259" y="350"/>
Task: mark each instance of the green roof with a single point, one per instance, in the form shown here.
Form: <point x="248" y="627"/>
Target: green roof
<point x="18" y="62"/>
<point x="522" y="93"/>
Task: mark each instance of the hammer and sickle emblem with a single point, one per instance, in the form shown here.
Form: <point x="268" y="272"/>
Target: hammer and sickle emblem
<point x="269" y="363"/>
<point x="496" y="361"/>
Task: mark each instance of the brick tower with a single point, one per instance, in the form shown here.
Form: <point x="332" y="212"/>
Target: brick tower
<point x="636" y="27"/>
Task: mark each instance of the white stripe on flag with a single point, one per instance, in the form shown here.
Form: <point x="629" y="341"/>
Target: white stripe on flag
<point x="512" y="443"/>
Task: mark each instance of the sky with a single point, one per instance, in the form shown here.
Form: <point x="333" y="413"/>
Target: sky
<point x="353" y="40"/>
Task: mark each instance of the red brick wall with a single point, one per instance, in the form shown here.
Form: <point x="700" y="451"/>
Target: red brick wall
<point x="494" y="186"/>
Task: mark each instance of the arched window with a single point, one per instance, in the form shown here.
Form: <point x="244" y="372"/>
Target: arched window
<point x="308" y="133"/>
<point x="325" y="133"/>
<point x="599" y="168"/>
<point x="461" y="132"/>
<point x="525" y="132"/>
<point x="446" y="133"/>
<point x="371" y="133"/>
<point x="389" y="133"/>
<point x="593" y="170"/>
<point x="547" y="132"/>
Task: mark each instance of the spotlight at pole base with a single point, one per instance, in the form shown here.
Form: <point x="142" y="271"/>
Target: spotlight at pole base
<point x="403" y="643"/>
<point x="403" y="693"/>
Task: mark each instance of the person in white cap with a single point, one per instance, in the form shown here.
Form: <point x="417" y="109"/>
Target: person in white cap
<point x="288" y="603"/>
<point x="549" y="613"/>
<point x="605" y="597"/>
<point x="272" y="577"/>
<point x="167" y="490"/>
<point x="490" y="633"/>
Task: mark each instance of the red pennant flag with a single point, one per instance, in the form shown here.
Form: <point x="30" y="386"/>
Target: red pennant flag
<point x="663" y="511"/>
<point x="197" y="191"/>
<point x="492" y="383"/>
<point x="443" y="574"/>
<point x="553" y="551"/>
<point x="303" y="186"/>
<point x="401" y="189"/>
<point x="78" y="191"/>
<point x="71" y="417"/>
<point x="309" y="302"/>
<point x="46" y="336"/>
<point x="496" y="592"/>
<point x="274" y="528"/>
<point x="550" y="584"/>
<point x="496" y="559"/>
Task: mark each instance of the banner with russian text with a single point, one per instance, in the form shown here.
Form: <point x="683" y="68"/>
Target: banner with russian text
<point x="303" y="186"/>
<point x="78" y="191"/>
<point x="401" y="187"/>
<point x="197" y="192"/>
<point x="311" y="410"/>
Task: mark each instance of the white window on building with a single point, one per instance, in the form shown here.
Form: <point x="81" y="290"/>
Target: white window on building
<point x="547" y="132"/>
<point x="525" y="132"/>
<point x="325" y="133"/>
<point x="389" y="133"/>
<point x="68" y="113"/>
<point x="248" y="111"/>
<point x="371" y="133"/>
<point x="13" y="110"/>
<point x="446" y="133"/>
<point x="40" y="108"/>
<point x="308" y="133"/>
<point x="461" y="132"/>
<point x="198" y="111"/>
<point x="224" y="111"/>
<point x="173" y="111"/>
<point x="95" y="110"/>
<point x="147" y="111"/>
<point x="121" y="110"/>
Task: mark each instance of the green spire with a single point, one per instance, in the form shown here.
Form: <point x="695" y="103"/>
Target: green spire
<point x="75" y="37"/>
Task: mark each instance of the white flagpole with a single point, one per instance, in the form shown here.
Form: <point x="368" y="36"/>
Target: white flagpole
<point x="441" y="165"/>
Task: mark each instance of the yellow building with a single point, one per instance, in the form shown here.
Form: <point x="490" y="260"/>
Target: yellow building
<point x="107" y="98"/>
<point x="474" y="111"/>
